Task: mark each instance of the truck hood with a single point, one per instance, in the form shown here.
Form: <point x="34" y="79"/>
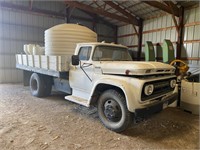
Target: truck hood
<point x="134" y="68"/>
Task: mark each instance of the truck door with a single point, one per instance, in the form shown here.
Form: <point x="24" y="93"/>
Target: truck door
<point x="80" y="76"/>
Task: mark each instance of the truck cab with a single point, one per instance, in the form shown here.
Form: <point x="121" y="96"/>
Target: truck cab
<point x="105" y="74"/>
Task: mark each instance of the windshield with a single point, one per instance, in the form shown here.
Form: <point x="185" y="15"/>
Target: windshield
<point x="111" y="53"/>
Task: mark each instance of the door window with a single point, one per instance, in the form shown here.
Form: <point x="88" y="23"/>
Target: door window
<point x="84" y="53"/>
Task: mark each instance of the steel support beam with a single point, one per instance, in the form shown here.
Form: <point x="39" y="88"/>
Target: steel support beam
<point x="163" y="7"/>
<point x="94" y="23"/>
<point x="172" y="7"/>
<point x="68" y="15"/>
<point x="140" y="40"/>
<point x="100" y="11"/>
<point x="30" y="4"/>
<point x="116" y="34"/>
<point x="99" y="19"/>
<point x="122" y="11"/>
<point x="33" y="10"/>
<point x="180" y="33"/>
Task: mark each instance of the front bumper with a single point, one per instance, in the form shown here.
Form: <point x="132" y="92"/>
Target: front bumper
<point x="143" y="112"/>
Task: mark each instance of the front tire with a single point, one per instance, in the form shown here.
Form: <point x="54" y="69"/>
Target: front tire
<point x="113" y="112"/>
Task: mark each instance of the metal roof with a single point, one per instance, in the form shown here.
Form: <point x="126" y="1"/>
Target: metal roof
<point x="112" y="13"/>
<point x="136" y="8"/>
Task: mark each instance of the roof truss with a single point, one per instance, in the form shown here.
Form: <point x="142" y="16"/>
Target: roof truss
<point x="122" y="11"/>
<point x="101" y="11"/>
<point x="170" y="8"/>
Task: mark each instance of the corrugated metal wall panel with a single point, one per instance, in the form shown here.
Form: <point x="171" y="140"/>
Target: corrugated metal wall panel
<point x="105" y="33"/>
<point x="191" y="46"/>
<point x="80" y="13"/>
<point x="131" y="40"/>
<point x="16" y="29"/>
<point x="158" y="29"/>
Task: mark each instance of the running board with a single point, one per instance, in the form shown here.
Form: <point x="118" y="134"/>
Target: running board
<point x="77" y="100"/>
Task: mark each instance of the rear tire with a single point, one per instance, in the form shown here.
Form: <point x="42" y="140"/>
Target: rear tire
<point x="113" y="112"/>
<point x="48" y="81"/>
<point x="37" y="85"/>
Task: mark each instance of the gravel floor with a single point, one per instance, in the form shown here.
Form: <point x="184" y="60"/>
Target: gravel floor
<point x="32" y="123"/>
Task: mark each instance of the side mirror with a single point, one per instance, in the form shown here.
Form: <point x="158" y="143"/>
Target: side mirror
<point x="75" y="60"/>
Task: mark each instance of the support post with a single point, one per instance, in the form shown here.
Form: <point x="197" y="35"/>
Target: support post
<point x="30" y="4"/>
<point x="180" y="33"/>
<point x="94" y="23"/>
<point x="140" y="40"/>
<point x="135" y="30"/>
<point x="68" y="15"/>
<point x="175" y="22"/>
<point x="116" y="34"/>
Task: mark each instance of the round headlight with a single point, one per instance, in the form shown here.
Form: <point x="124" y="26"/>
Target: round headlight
<point x="148" y="90"/>
<point x="173" y="83"/>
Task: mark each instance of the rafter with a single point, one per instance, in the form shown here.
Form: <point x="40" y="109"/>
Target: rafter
<point x="163" y="7"/>
<point x="30" y="4"/>
<point x="97" y="4"/>
<point x="180" y="33"/>
<point x="135" y="31"/>
<point x="121" y="10"/>
<point x="100" y="11"/>
<point x="98" y="18"/>
<point x="133" y="5"/>
<point x="104" y="6"/>
<point x="91" y="3"/>
<point x="172" y="7"/>
<point x="171" y="4"/>
<point x="33" y="10"/>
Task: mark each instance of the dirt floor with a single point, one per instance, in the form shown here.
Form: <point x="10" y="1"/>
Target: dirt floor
<point x="32" y="123"/>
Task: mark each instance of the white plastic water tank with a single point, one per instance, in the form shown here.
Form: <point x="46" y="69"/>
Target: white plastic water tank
<point x="26" y="49"/>
<point x="37" y="50"/>
<point x="62" y="39"/>
<point x="30" y="48"/>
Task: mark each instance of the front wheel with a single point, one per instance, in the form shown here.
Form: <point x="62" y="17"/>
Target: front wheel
<point x="113" y="111"/>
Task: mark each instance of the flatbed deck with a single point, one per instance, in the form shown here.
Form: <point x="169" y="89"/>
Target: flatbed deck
<point x="63" y="75"/>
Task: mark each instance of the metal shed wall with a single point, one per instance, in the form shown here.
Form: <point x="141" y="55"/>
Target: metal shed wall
<point x="160" y="28"/>
<point x="127" y="36"/>
<point x="18" y="28"/>
<point x="191" y="47"/>
<point x="104" y="33"/>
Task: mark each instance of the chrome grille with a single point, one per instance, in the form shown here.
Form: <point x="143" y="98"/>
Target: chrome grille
<point x="160" y="88"/>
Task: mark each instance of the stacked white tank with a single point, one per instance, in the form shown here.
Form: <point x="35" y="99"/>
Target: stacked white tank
<point x="33" y="49"/>
<point x="62" y="39"/>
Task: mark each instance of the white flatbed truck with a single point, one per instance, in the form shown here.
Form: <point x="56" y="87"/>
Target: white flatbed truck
<point x="104" y="75"/>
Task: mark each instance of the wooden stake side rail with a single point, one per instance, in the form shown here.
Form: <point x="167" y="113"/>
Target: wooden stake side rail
<point x="56" y="66"/>
<point x="62" y="75"/>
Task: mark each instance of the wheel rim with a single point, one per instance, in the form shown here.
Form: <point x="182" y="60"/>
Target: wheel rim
<point x="34" y="85"/>
<point x="112" y="110"/>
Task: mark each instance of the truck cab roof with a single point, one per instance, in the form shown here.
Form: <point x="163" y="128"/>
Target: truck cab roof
<point x="101" y="43"/>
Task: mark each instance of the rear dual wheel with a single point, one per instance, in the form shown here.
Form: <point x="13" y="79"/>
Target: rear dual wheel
<point x="113" y="112"/>
<point x="40" y="85"/>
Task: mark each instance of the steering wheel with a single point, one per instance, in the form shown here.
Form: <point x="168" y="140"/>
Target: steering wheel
<point x="180" y="65"/>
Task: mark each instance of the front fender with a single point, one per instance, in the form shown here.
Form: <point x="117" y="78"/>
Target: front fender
<point x="123" y="85"/>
